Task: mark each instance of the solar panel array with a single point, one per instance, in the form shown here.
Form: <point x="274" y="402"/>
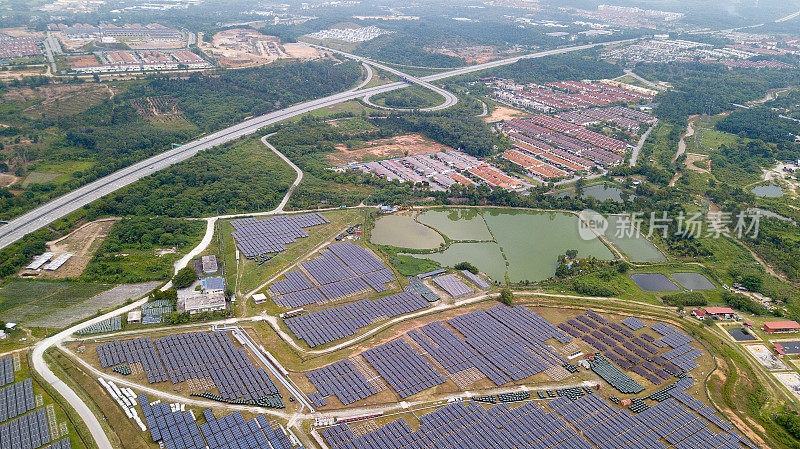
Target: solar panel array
<point x="157" y="308"/>
<point x="196" y="355"/>
<point x="177" y="430"/>
<point x="174" y="430"/>
<point x="577" y="422"/>
<point x="112" y="324"/>
<point x="233" y="432"/>
<point x="343" y="380"/>
<point x="453" y="285"/>
<point x="7" y="370"/>
<point x="453" y="353"/>
<point x="16" y="399"/>
<point x="327" y="325"/>
<point x="614" y="376"/>
<point x="628" y="351"/>
<point x="403" y="369"/>
<point x="633" y="323"/>
<point x="342" y="269"/>
<point x="511" y="339"/>
<point x="422" y="289"/>
<point x="29" y="431"/>
<point x="477" y="280"/>
<point x="138" y="350"/>
<point x="256" y="238"/>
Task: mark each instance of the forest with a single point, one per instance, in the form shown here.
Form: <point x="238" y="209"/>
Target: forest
<point x="760" y="123"/>
<point x="709" y="88"/>
<point x="112" y="135"/>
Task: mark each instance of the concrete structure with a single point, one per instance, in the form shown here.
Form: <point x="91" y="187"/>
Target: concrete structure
<point x="135" y="316"/>
<point x="200" y="301"/>
<point x="209" y="264"/>
<point x="772" y="327"/>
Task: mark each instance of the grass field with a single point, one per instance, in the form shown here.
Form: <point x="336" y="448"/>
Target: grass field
<point x="19" y="298"/>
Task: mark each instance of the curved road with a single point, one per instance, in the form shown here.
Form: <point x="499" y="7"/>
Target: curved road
<point x="70" y="202"/>
<point x="449" y="98"/>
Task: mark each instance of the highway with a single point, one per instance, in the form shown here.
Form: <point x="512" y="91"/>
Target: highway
<point x="449" y="98"/>
<point x="70" y="202"/>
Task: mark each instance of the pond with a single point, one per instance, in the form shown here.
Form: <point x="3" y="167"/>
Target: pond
<point x="531" y="242"/>
<point x="693" y="281"/>
<point x="601" y="192"/>
<point x="768" y="191"/>
<point x="484" y="255"/>
<point x="653" y="282"/>
<point x="403" y="231"/>
<point x="635" y="246"/>
<point x="457" y="223"/>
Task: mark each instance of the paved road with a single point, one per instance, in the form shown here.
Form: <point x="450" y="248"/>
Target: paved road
<point x="449" y="98"/>
<point x="638" y="147"/>
<point x="66" y="204"/>
<point x="639" y="78"/>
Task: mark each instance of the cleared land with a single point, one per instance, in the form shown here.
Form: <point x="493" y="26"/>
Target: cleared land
<point x="399" y="146"/>
<point x="82" y="243"/>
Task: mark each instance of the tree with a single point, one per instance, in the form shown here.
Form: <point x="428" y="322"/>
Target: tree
<point x="466" y="266"/>
<point x="506" y="297"/>
<point x="572" y="253"/>
<point x="752" y="282"/>
<point x="184" y="277"/>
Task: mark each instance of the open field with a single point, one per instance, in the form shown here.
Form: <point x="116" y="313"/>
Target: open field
<point x="399" y="146"/>
<point x="17" y="298"/>
<point x="82" y="243"/>
<point x="504" y="113"/>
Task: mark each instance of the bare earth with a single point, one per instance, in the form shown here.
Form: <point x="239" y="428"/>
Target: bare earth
<point x="7" y="180"/>
<point x="502" y="113"/>
<point x="691" y="158"/>
<point x="407" y="145"/>
<point x="301" y="51"/>
<point x="82" y="243"/>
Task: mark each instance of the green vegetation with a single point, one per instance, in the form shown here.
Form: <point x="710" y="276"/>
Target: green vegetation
<point x="743" y="303"/>
<point x="686" y="299"/>
<point x="506" y="297"/>
<point x="413" y="97"/>
<point x="241" y="176"/>
<point x="45" y="295"/>
<point x="761" y="123"/>
<point x="184" y="277"/>
<point x="108" y="136"/>
<point x="710" y="89"/>
<point x="466" y="266"/>
<point x="132" y="251"/>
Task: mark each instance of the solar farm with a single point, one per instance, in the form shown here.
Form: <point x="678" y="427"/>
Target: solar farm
<point x="175" y="429"/>
<point x="577" y="419"/>
<point x="258" y="239"/>
<point x="22" y="424"/>
<point x="206" y="361"/>
<point x="508" y="346"/>
<point x="341" y="270"/>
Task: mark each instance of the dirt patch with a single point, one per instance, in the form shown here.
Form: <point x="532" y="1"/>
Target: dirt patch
<point x="82" y="243"/>
<point x="7" y="180"/>
<point x="301" y="51"/>
<point x="691" y="158"/>
<point x="399" y="146"/>
<point x="503" y="113"/>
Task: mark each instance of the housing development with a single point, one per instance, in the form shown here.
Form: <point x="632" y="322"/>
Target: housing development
<point x="375" y="224"/>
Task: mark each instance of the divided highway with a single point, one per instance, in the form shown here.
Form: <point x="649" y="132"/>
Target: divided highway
<point x="70" y="202"/>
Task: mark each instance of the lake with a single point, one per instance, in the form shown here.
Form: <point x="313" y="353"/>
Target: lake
<point x="457" y="223"/>
<point x="635" y="246"/>
<point x="768" y="191"/>
<point x="403" y="231"/>
<point x="531" y="241"/>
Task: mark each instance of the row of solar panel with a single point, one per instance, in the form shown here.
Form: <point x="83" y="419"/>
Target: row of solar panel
<point x="29" y="431"/>
<point x="16" y="399"/>
<point x="601" y="426"/>
<point x="6" y="370"/>
<point x="258" y="237"/>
